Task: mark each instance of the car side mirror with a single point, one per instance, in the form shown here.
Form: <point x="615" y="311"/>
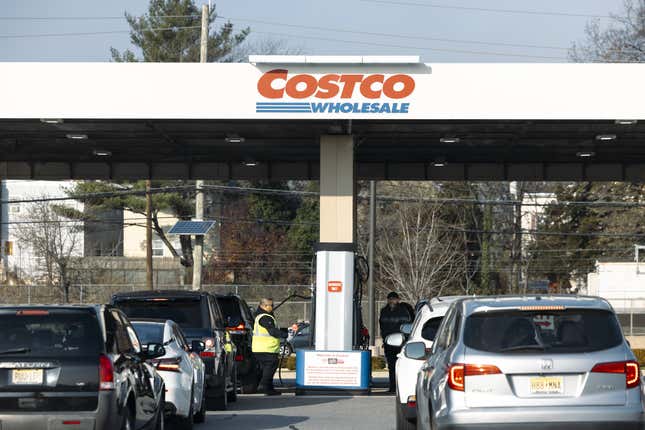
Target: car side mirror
<point x="197" y="346"/>
<point x="395" y="339"/>
<point x="406" y="329"/>
<point x="153" y="350"/>
<point x="416" y="351"/>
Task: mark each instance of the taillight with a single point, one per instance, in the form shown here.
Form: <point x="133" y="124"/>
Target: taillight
<point x="106" y="373"/>
<point x="239" y="357"/>
<point x="630" y="369"/>
<point x="209" y="348"/>
<point x="412" y="401"/>
<point x="168" y="364"/>
<point x="457" y="373"/>
<point x="240" y="327"/>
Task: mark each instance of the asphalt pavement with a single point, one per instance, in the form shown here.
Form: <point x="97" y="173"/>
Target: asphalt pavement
<point x="311" y="412"/>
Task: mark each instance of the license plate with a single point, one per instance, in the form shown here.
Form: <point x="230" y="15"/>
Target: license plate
<point x="546" y="385"/>
<point x="27" y="376"/>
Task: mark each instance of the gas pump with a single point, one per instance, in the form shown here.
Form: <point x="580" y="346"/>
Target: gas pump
<point x="337" y="363"/>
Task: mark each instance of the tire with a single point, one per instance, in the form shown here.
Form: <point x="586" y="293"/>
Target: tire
<point x="232" y="395"/>
<point x="127" y="422"/>
<point x="219" y="402"/>
<point x="200" y="416"/>
<point x="401" y="422"/>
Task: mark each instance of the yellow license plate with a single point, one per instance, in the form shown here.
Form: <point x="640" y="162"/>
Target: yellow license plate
<point x="546" y="385"/>
<point x="27" y="376"/>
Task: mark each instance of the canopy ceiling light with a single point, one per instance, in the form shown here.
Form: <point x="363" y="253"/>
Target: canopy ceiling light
<point x="77" y="136"/>
<point x="440" y="162"/>
<point x="585" y="154"/>
<point x="450" y="139"/>
<point x="251" y="163"/>
<point x="51" y="120"/>
<point x="233" y="138"/>
<point x="102" y="152"/>
<point x="626" y="121"/>
<point x="606" y="137"/>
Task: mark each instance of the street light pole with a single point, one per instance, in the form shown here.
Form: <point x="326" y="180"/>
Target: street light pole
<point x="371" y="312"/>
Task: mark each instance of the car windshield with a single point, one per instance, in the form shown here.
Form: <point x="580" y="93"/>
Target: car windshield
<point x="185" y="312"/>
<point x="149" y="332"/>
<point x="51" y="334"/>
<point x="570" y="330"/>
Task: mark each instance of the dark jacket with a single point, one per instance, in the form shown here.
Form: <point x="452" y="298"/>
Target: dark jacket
<point x="392" y="319"/>
<point x="267" y="322"/>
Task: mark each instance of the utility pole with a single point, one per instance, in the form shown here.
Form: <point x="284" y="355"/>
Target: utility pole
<point x="149" y="284"/>
<point x="371" y="312"/>
<point x="198" y="250"/>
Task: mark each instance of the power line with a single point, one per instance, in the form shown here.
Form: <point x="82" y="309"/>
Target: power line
<point x="482" y="9"/>
<point x="394" y="35"/>
<point x="84" y="18"/>
<point x="90" y="33"/>
<point x="418" y="48"/>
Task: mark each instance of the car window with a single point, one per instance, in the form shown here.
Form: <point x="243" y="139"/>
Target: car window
<point x="562" y="331"/>
<point x="430" y="328"/>
<point x="121" y="337"/>
<point x="231" y="309"/>
<point x="179" y="336"/>
<point x="53" y="334"/>
<point x="444" y="331"/>
<point x="187" y="312"/>
<point x="149" y="332"/>
<point x="218" y="318"/>
<point x="305" y="331"/>
<point x="134" y="339"/>
<point x="456" y="326"/>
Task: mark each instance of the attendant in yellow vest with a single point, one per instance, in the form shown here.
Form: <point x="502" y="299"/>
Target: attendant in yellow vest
<point x="266" y="345"/>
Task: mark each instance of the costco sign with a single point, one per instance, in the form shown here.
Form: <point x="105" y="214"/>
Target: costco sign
<point x="334" y="93"/>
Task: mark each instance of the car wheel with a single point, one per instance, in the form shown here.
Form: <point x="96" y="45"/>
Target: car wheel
<point x="200" y="416"/>
<point x="232" y="395"/>
<point x="219" y="402"/>
<point x="401" y="422"/>
<point x="286" y="350"/>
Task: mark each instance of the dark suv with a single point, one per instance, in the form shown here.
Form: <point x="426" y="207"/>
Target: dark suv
<point x="200" y="317"/>
<point x="239" y="324"/>
<point x="79" y="366"/>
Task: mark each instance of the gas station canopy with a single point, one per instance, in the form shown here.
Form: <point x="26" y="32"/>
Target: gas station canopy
<point x="265" y="119"/>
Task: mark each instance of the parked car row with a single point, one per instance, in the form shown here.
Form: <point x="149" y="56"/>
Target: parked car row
<point x="517" y="362"/>
<point x="144" y="359"/>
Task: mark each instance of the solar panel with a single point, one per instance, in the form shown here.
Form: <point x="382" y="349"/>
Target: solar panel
<point x="196" y="228"/>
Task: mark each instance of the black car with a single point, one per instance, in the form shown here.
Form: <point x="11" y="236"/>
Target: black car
<point x="76" y="366"/>
<point x="239" y="324"/>
<point x="200" y="317"/>
<point x="301" y="339"/>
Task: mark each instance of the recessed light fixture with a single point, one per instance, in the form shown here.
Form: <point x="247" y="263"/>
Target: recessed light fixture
<point x="449" y="139"/>
<point x="76" y="136"/>
<point x="51" y="120"/>
<point x="626" y="121"/>
<point x="251" y="163"/>
<point x="606" y="137"/>
<point x="439" y="162"/>
<point x="102" y="152"/>
<point x="234" y="138"/>
<point x="585" y="154"/>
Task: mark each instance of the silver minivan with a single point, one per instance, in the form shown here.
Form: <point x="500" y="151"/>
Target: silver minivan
<point x="530" y="362"/>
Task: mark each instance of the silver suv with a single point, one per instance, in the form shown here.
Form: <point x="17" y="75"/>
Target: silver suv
<point x="531" y="363"/>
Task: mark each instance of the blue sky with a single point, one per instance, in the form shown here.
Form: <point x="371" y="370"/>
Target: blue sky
<point x="413" y="26"/>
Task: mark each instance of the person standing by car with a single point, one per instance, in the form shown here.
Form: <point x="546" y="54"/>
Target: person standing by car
<point x="393" y="315"/>
<point x="266" y="345"/>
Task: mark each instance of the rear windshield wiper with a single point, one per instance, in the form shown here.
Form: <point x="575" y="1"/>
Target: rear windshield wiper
<point x="15" y="351"/>
<point x="523" y="347"/>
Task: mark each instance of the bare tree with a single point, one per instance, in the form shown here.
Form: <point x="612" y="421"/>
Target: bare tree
<point x="417" y="253"/>
<point x="622" y="41"/>
<point x="54" y="240"/>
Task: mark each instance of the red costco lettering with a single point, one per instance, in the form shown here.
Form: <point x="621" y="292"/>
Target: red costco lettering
<point x="275" y="84"/>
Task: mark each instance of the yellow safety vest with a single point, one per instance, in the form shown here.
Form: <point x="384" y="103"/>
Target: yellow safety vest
<point x="228" y="345"/>
<point x="262" y="340"/>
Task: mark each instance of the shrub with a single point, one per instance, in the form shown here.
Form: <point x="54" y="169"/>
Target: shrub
<point x="378" y="363"/>
<point x="640" y="356"/>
